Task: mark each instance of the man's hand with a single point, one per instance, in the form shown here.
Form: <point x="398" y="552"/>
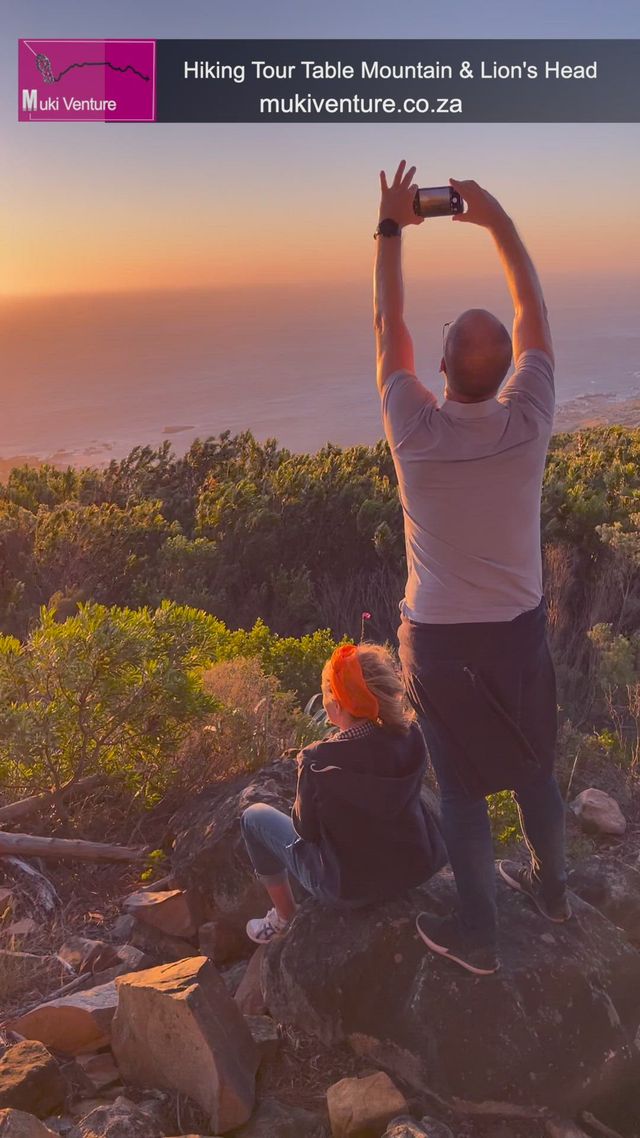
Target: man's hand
<point x="396" y="200"/>
<point x="482" y="208"/>
<point x="530" y="320"/>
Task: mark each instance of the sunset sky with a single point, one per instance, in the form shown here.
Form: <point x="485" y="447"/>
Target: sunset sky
<point x="91" y="208"/>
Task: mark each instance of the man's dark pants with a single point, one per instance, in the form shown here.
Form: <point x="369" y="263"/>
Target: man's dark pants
<point x="478" y="743"/>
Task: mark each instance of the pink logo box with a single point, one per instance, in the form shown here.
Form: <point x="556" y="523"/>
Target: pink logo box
<point x="86" y="80"/>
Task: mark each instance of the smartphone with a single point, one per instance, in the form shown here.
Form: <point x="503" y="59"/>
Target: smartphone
<point x="437" y="201"/>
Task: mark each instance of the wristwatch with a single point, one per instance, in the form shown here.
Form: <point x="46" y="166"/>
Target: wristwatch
<point x="387" y="228"/>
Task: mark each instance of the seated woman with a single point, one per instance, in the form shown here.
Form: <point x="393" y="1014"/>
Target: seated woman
<point x="359" y="831"/>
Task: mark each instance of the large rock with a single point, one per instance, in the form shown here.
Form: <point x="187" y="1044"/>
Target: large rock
<point x="18" y="1124"/>
<point x="30" y="1079"/>
<point x="361" y="1108"/>
<point x="176" y="912"/>
<point x="119" y="1119"/>
<point x="614" y="888"/>
<point x="209" y="853"/>
<point x="365" y="977"/>
<point x="408" y="1128"/>
<point x="275" y="1120"/>
<point x="80" y="1022"/>
<point x="177" y="1028"/>
<point x="249" y="995"/>
<point x="598" y="813"/>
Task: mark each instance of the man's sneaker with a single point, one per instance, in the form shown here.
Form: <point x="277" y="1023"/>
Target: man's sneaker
<point x="444" y="936"/>
<point x="521" y="877"/>
<point x="263" y="929"/>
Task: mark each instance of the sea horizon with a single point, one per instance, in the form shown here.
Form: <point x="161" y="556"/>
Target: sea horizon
<point x="90" y="376"/>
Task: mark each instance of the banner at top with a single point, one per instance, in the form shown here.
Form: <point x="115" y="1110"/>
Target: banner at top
<point x="420" y="81"/>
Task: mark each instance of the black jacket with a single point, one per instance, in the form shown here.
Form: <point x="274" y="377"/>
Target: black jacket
<point x="359" y="800"/>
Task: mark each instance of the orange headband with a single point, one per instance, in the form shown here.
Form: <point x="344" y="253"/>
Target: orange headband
<point x="348" y="684"/>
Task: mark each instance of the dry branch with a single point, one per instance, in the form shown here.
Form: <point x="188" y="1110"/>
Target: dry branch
<point x="26" y="845"/>
<point x="593" y="1122"/>
<point x="28" y="806"/>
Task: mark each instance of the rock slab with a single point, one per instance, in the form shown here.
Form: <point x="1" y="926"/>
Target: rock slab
<point x="172" y="911"/>
<point x="72" y="1024"/>
<point x="365" y="977"/>
<point x="177" y="1028"/>
<point x="119" y="1119"/>
<point x="209" y="853"/>
<point x="409" y="1128"/>
<point x="31" y="1080"/>
<point x="361" y="1108"/>
<point x="275" y="1120"/>
<point x="18" y="1124"/>
<point x="614" y="888"/>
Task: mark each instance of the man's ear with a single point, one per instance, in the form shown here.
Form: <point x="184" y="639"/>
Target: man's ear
<point x="443" y="366"/>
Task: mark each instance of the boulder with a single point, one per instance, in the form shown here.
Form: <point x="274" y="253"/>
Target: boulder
<point x="85" y="955"/>
<point x="30" y="1079"/>
<point x="100" y="1070"/>
<point x="264" y="1032"/>
<point x="614" y="888"/>
<point x="177" y="1028"/>
<point x="233" y="976"/>
<point x="122" y="927"/>
<point x="18" y="1124"/>
<point x="249" y="995"/>
<point x="133" y="958"/>
<point x="119" y="1119"/>
<point x="408" y="1128"/>
<point x="222" y="940"/>
<point x="598" y="812"/>
<point x="365" y="977"/>
<point x="275" y="1120"/>
<point x="361" y="1108"/>
<point x="176" y="912"/>
<point x="75" y="1023"/>
<point x="209" y="853"/>
<point x="61" y="1125"/>
<point x="161" y="946"/>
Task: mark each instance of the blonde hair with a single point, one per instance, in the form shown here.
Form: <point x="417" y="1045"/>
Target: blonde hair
<point x="382" y="677"/>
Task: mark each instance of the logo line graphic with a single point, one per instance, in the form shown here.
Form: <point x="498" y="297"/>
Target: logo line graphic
<point x="46" y="70"/>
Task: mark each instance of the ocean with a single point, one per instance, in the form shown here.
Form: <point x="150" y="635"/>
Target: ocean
<point x="86" y="378"/>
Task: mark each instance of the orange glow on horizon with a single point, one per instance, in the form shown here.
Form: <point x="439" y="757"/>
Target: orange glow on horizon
<point x="77" y="256"/>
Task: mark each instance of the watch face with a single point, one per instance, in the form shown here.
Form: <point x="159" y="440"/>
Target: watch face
<point x="389" y="227"/>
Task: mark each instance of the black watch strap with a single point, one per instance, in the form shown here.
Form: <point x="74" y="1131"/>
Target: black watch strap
<point x="388" y="228"/>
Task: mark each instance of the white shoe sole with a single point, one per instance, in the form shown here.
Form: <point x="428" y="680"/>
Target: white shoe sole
<point x="514" y="884"/>
<point x="442" y="951"/>
<point x="266" y="940"/>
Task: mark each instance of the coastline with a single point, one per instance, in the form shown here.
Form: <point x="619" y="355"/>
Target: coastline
<point x="601" y="410"/>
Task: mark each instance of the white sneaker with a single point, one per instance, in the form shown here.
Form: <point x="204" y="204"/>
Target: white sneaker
<point x="263" y="929"/>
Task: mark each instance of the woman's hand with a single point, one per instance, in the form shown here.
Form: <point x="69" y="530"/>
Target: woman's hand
<point x="396" y="200"/>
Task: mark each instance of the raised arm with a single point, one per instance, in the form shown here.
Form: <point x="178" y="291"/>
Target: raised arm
<point x="530" y="320"/>
<point x="394" y="346"/>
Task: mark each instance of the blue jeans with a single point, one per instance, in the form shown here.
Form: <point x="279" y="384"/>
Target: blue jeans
<point x="275" y="850"/>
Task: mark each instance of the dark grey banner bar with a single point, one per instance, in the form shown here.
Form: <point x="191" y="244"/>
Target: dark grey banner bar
<point x="419" y="81"/>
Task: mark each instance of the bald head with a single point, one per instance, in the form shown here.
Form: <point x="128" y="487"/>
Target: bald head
<point x="477" y="354"/>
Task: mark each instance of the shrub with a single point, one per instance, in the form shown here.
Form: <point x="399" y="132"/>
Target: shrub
<point x="255" y="721"/>
<point x="108" y="691"/>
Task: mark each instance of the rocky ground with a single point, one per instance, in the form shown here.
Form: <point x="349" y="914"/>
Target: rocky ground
<point x="143" y="1012"/>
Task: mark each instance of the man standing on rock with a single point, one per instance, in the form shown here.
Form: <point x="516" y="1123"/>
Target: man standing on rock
<point x="473" y="636"/>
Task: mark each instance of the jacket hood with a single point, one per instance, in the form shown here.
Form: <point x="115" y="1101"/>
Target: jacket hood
<point x="383" y="784"/>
